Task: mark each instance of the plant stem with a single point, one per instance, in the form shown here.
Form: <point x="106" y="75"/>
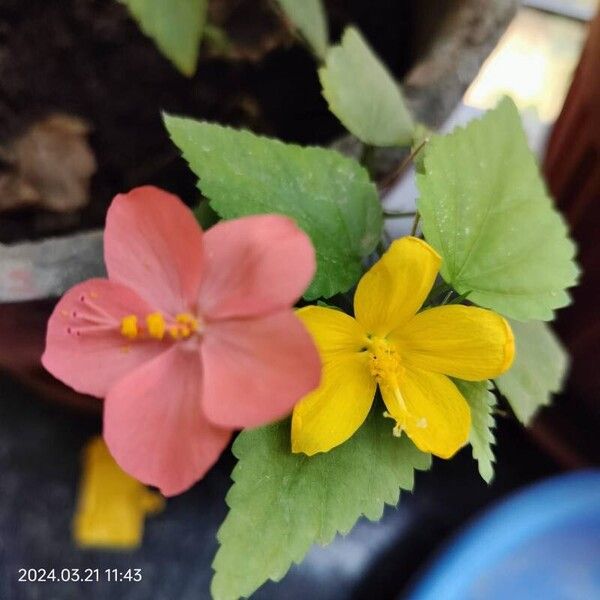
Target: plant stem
<point x="391" y="214"/>
<point x="447" y="297"/>
<point x="387" y="181"/>
<point x="438" y="289"/>
<point x="415" y="224"/>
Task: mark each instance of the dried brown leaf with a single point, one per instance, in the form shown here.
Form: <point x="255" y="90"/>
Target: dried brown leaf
<point x="49" y="166"/>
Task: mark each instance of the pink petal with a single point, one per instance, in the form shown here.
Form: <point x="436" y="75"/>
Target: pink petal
<point x="154" y="425"/>
<point x="153" y="244"/>
<point x="254" y="266"/>
<point x="84" y="346"/>
<point x="256" y="370"/>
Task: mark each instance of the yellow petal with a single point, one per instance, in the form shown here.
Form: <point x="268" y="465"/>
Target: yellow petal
<point x="396" y="286"/>
<point x="112" y="505"/>
<point x="335" y="333"/>
<point x="330" y="415"/>
<point x="461" y="341"/>
<point x="430" y="410"/>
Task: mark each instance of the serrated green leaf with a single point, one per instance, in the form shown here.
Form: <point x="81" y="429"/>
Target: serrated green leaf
<point x="363" y="95"/>
<point x="281" y="503"/>
<point x="175" y="26"/>
<point x="310" y="19"/>
<point x="540" y="367"/>
<point x="481" y="437"/>
<point x="485" y="209"/>
<point x="329" y="196"/>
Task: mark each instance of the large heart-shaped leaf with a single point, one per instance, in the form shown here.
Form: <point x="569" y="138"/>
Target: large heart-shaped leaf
<point x="282" y="503"/>
<point x="329" y="196"/>
<point x="485" y="209"/>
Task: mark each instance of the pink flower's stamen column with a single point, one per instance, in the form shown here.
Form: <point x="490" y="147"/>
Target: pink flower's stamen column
<point x="182" y="327"/>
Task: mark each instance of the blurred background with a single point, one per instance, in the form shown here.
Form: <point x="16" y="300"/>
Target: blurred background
<point x="81" y="90"/>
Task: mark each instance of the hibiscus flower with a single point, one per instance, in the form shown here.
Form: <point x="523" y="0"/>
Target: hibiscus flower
<point x="191" y="336"/>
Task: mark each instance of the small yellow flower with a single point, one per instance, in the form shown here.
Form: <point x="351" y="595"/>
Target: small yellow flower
<point x="409" y="355"/>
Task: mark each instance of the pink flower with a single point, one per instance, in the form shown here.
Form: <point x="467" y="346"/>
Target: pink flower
<point x="191" y="336"/>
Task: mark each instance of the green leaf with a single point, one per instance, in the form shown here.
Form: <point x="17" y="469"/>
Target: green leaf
<point x="175" y="26"/>
<point x="327" y="305"/>
<point x="309" y="18"/>
<point x="329" y="196"/>
<point x="540" y="367"/>
<point x="481" y="437"/>
<point x="205" y="215"/>
<point x="484" y="208"/>
<point x="281" y="503"/>
<point x="363" y="95"/>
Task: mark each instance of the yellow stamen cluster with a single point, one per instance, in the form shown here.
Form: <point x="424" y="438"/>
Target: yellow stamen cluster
<point x="129" y="327"/>
<point x="156" y="326"/>
<point x="155" y="323"/>
<point x="186" y="325"/>
<point x="384" y="359"/>
<point x="385" y="365"/>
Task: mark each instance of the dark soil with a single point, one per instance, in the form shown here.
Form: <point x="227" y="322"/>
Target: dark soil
<point x="88" y="58"/>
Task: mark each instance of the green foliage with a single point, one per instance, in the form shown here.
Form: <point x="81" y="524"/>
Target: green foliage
<point x="205" y="215"/>
<point x="281" y="503"/>
<point x="484" y="208"/>
<point x="363" y="95"/>
<point x="329" y="196"/>
<point x="175" y="26"/>
<point x="310" y="20"/>
<point x="539" y="369"/>
<point x="481" y="437"/>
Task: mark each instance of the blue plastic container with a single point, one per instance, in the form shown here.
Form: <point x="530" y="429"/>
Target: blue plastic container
<point x="542" y="543"/>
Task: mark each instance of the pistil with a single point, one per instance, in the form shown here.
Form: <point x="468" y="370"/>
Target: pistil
<point x="386" y="366"/>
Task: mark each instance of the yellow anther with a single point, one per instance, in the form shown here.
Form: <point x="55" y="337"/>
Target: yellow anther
<point x="385" y="361"/>
<point x="189" y="320"/>
<point x="129" y="327"/>
<point x="174" y="332"/>
<point x="180" y="332"/>
<point x="156" y="325"/>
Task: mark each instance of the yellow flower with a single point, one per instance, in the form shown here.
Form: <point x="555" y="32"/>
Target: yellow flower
<point x="409" y="355"/>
